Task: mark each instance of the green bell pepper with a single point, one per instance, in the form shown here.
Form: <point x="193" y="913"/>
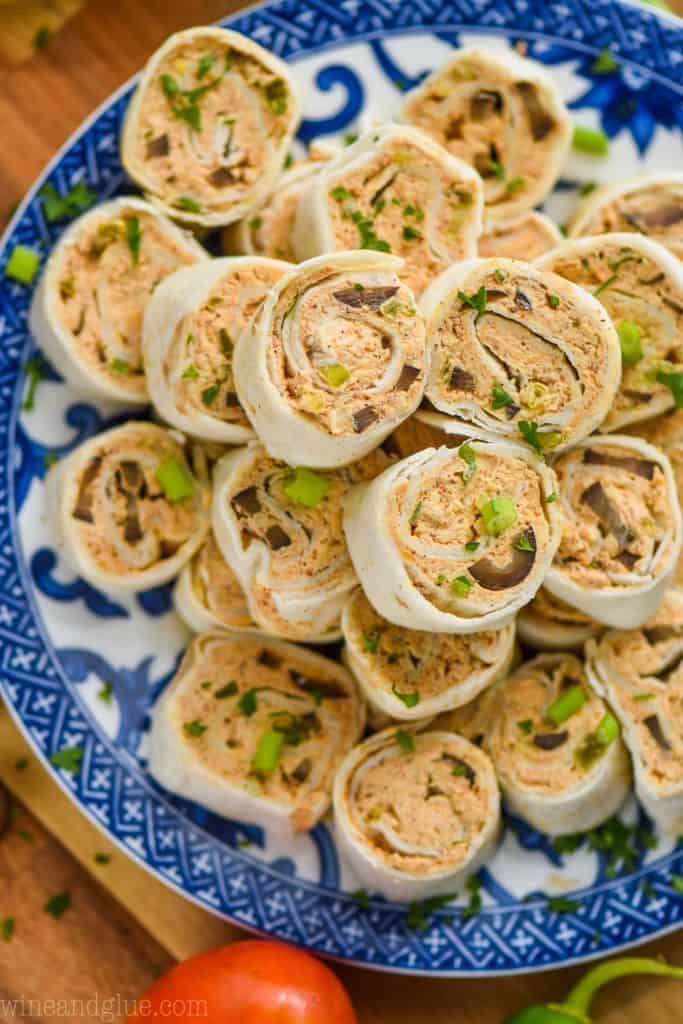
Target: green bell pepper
<point x="576" y="1007"/>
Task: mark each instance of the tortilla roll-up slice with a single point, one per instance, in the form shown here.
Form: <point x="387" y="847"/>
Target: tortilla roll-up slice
<point x="519" y="352"/>
<point x="554" y="743"/>
<point x="502" y="114"/>
<point x="255" y="730"/>
<point x="208" y="595"/>
<point x="129" y="507"/>
<point x="190" y="329"/>
<point x="640" y="285"/>
<point x="87" y="312"/>
<point x="621" y="538"/>
<point x="454" y="540"/>
<point x="394" y="190"/>
<point x="268" y="231"/>
<point x="548" y="624"/>
<point x="416" y="813"/>
<point x="334" y="361"/>
<point x="523" y="238"/>
<point x="409" y="674"/>
<point x="280" y="530"/>
<point x="666" y="432"/>
<point x="640" y="673"/>
<point x="209" y="126"/>
<point x="649" y="204"/>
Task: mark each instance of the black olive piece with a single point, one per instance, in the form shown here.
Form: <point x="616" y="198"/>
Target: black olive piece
<point x="406" y="377"/>
<point x="84" y="501"/>
<point x="365" y="298"/>
<point x="160" y="146"/>
<point x="501" y="577"/>
<point x="629" y="463"/>
<point x="461" y="380"/>
<point x="277" y="538"/>
<point x="269" y="659"/>
<point x="364" y="418"/>
<point x="550" y="740"/>
<point x="247" y="501"/>
<point x="541" y="122"/>
<point x="654" y="727"/>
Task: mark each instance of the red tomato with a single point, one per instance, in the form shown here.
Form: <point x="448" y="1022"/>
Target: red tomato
<point x="253" y="982"/>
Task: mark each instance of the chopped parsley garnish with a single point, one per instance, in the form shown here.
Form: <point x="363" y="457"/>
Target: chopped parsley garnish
<point x="405" y="741"/>
<point x="68" y="758"/>
<point x="371" y="641"/>
<point x="525" y="726"/>
<point x="562" y="905"/>
<point x="367" y="236"/>
<point x="499" y="275"/>
<point x="361" y="897"/>
<point x="590" y="140"/>
<point x="414" y="211"/>
<point x="497" y="169"/>
<point x="461" y="586"/>
<point x="305" y="487"/>
<point x="105" y="692"/>
<point x="498" y="515"/>
<point x="500" y="397"/>
<point x="476" y="301"/>
<point x="471" y="545"/>
<point x="515" y="185"/>
<point x="643" y="696"/>
<point x="411" y="234"/>
<point x="35" y="371"/>
<point x="467" y="454"/>
<point x="410" y="699"/>
<point x="553" y="301"/>
<point x="473" y="886"/>
<point x="21" y="764"/>
<point x="133" y="237"/>
<point x="7" y="926"/>
<point x="205" y="65"/>
<point x="539" y="442"/>
<point x="677" y="883"/>
<point x="630" y="335"/>
<point x="58" y="207"/>
<point x="102" y="858"/>
<point x="195" y="728"/>
<point x="41" y="38"/>
<point x="524" y="544"/>
<point x="174" y="480"/>
<point x="209" y="394"/>
<point x="417" y="917"/>
<point x="567" y="844"/>
<point x="229" y="690"/>
<point x="247" y="703"/>
<point x="276" y="96"/>
<point x="604" y="63"/>
<point x="170" y="86"/>
<point x="415" y="514"/>
<point x="58" y="905"/>
<point x="190" y="372"/>
<point x="551" y="498"/>
<point x="22" y="265"/>
<point x="340" y="193"/>
<point x="674" y="382"/>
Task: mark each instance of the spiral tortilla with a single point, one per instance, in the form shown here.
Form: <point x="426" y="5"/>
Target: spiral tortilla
<point x="287" y="546"/>
<point x="129" y="507"/>
<point x="562" y="774"/>
<point x="512" y="345"/>
<point x="190" y="330"/>
<point x="397" y="191"/>
<point x="227" y="695"/>
<point x="416" y="812"/>
<point x="87" y="311"/>
<point x="335" y="359"/>
<point x="502" y="114"/>
<point x="425" y="550"/>
<point x="209" y="126"/>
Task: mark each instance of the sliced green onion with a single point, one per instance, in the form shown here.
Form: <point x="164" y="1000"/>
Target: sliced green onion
<point x="209" y="394"/>
<point x="134" y="238"/>
<point x="500" y="397"/>
<point x="335" y="374"/>
<point x="498" y="514"/>
<point x="194" y="728"/>
<point x="174" y="480"/>
<point x="461" y="586"/>
<point x="306" y="487"/>
<point x="188" y="203"/>
<point x="590" y="140"/>
<point x="566" y="705"/>
<point x="630" y="336"/>
<point x="467" y="454"/>
<point x="190" y="372"/>
<point x="604" y="63"/>
<point x="23" y="264"/>
<point x="674" y="382"/>
<point x="405" y="741"/>
<point x="268" y="752"/>
<point x="410" y="699"/>
<point x="608" y="730"/>
<point x="476" y="301"/>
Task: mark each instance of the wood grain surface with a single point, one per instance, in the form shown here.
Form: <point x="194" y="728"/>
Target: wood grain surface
<point x="123" y="926"/>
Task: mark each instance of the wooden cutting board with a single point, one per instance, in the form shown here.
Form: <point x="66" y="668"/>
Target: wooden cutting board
<point x="124" y="926"/>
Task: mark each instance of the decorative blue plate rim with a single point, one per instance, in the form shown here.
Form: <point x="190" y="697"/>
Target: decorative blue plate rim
<point x="502" y="939"/>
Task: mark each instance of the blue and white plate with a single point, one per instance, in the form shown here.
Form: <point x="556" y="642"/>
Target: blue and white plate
<point x="61" y="641"/>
